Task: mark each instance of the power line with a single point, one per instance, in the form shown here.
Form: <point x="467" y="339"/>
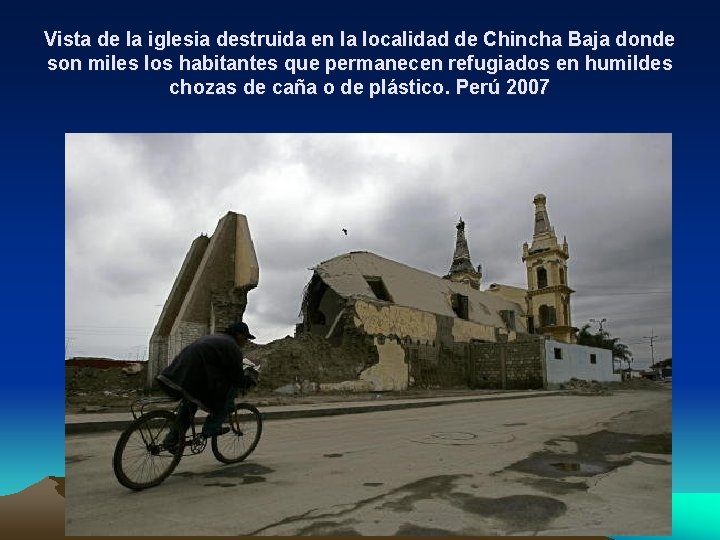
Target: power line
<point x="652" y="339"/>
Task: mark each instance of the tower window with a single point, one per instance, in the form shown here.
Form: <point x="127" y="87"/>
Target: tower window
<point x="460" y="305"/>
<point x="558" y="353"/>
<point x="562" y="276"/>
<point x="378" y="288"/>
<point x="547" y="315"/>
<point x="542" y="280"/>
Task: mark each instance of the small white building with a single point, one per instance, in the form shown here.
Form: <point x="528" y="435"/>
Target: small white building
<point x="565" y="361"/>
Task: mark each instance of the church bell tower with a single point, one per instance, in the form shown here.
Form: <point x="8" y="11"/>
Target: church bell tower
<point x="548" y="297"/>
<point x="461" y="269"/>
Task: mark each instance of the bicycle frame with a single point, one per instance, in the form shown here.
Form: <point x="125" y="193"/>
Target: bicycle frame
<point x="194" y="441"/>
<point x="156" y="418"/>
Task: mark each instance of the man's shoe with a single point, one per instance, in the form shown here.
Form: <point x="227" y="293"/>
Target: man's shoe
<point x="170" y="444"/>
<point x="221" y="431"/>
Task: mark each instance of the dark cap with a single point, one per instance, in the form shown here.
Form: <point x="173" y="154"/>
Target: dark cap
<point x="239" y="329"/>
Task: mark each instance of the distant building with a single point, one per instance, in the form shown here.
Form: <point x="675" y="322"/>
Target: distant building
<point x="629" y="374"/>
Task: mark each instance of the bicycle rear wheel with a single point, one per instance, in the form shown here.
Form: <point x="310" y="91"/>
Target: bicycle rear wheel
<point x="245" y="429"/>
<point x="142" y="459"/>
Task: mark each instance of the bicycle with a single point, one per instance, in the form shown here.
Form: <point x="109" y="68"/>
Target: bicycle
<point x="142" y="459"/>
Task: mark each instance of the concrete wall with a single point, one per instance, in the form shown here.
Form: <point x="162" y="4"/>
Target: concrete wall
<point x="157" y="357"/>
<point x="575" y="363"/>
<point x="215" y="273"/>
<point x="181" y="285"/>
<point x="215" y="299"/>
<point x="392" y="326"/>
<point x="392" y="320"/>
<point x="184" y="333"/>
<point x="403" y="322"/>
<point x="512" y="365"/>
<point x="209" y="292"/>
<point x="465" y="331"/>
<point x="247" y="270"/>
<point x="391" y="371"/>
<point x="158" y="350"/>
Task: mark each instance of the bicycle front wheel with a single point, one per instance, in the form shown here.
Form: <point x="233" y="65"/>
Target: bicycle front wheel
<point x="245" y="424"/>
<point x="143" y="458"/>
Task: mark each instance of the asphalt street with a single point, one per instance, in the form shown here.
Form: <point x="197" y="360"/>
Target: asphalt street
<point x="557" y="465"/>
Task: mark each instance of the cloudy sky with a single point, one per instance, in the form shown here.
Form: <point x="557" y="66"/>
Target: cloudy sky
<point x="134" y="203"/>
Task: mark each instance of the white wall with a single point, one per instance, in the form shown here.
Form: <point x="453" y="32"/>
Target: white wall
<point x="575" y="363"/>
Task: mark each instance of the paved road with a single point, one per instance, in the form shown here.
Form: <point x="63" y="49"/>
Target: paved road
<point x="554" y="466"/>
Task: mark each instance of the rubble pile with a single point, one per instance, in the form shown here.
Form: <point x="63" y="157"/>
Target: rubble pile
<point x="90" y="389"/>
<point x="641" y="384"/>
<point x="582" y="387"/>
<point x="307" y="360"/>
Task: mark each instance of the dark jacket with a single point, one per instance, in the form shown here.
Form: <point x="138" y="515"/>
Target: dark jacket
<point x="206" y="370"/>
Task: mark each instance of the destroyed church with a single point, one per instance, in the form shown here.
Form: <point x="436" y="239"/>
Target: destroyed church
<point x="428" y="330"/>
<point x="399" y="327"/>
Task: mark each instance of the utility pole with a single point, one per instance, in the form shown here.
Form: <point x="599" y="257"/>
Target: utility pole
<point x="652" y="337"/>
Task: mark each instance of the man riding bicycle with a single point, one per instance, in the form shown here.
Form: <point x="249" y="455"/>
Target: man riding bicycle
<point x="207" y="374"/>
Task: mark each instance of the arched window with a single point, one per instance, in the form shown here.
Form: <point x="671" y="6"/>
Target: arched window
<point x="542" y="281"/>
<point x="547" y="315"/>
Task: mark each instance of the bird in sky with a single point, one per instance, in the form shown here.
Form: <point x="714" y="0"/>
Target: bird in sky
<point x="345" y="231"/>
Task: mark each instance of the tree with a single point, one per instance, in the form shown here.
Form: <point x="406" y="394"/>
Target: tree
<point x="603" y="340"/>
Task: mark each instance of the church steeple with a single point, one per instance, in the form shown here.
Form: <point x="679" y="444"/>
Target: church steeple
<point x="547" y="273"/>
<point x="544" y="234"/>
<point x="542" y="221"/>
<point x="461" y="269"/>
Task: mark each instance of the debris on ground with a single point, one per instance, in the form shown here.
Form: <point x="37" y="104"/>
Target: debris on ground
<point x="300" y="364"/>
<point x="581" y="387"/>
<point x="133" y="369"/>
<point x="94" y="389"/>
<point x="640" y="384"/>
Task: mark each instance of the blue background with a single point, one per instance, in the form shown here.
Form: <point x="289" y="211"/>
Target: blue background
<point x="39" y="107"/>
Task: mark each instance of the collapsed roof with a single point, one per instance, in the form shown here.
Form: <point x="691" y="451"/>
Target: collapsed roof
<point x="367" y="276"/>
